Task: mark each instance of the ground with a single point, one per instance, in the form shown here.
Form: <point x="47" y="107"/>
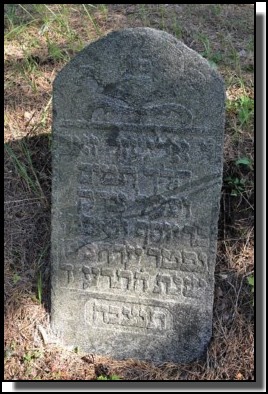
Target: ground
<point x="39" y="40"/>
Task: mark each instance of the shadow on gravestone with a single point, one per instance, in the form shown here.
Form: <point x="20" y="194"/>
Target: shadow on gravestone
<point x="137" y="171"/>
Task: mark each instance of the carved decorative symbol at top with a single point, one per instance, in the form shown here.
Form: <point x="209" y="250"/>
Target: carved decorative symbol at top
<point x="169" y="114"/>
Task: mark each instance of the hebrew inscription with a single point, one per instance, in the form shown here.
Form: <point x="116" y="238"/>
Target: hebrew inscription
<point x="138" y="123"/>
<point x="150" y="319"/>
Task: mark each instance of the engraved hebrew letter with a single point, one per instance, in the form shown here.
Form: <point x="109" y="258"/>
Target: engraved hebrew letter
<point x="128" y="275"/>
<point x="156" y="253"/>
<point x="171" y="259"/>
<point x="141" y="277"/>
<point x="69" y="268"/>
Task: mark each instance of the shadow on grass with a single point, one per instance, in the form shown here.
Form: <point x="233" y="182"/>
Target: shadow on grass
<point x="27" y="218"/>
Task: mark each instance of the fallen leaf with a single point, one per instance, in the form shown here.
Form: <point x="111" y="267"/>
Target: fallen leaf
<point x="239" y="376"/>
<point x="29" y="116"/>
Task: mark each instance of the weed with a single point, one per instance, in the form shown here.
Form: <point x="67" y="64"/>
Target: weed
<point x="162" y="10"/>
<point x="14" y="17"/>
<point x="16" y="278"/>
<point x="39" y="288"/>
<point x="29" y="70"/>
<point x="250" y="280"/>
<point x="31" y="355"/>
<point x="57" y="375"/>
<point x="58" y="23"/>
<point x="249" y="67"/>
<point x="54" y="51"/>
<point x="245" y="109"/>
<point x="237" y="185"/>
<point x="103" y="8"/>
<point x="216" y="8"/>
<point x="235" y="58"/>
<point x="44" y="116"/>
<point x="17" y="31"/>
<point x="39" y="275"/>
<point x="27" y="155"/>
<point x="96" y="27"/>
<point x="176" y="28"/>
<point x="143" y="12"/>
<point x="250" y="44"/>
<point x="245" y="161"/>
<point x="47" y="18"/>
<point x="25" y="170"/>
<point x="26" y="11"/>
<point x="27" y="357"/>
<point x="11" y="17"/>
<point x="111" y="377"/>
<point x="10" y="350"/>
<point x="212" y="57"/>
<point x="242" y="108"/>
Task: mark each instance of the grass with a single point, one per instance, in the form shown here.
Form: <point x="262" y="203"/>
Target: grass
<point x="39" y="288"/>
<point x="144" y="13"/>
<point x="212" y="57"/>
<point x="25" y="171"/>
<point x="91" y="19"/>
<point x="39" y="40"/>
<point x="176" y="27"/>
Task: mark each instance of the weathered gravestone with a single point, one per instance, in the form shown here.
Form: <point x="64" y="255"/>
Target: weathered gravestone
<point x="137" y="170"/>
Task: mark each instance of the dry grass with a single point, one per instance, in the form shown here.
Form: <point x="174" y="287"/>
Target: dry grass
<point x="39" y="40"/>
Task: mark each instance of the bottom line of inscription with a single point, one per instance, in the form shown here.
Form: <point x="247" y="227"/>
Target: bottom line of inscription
<point x="128" y="316"/>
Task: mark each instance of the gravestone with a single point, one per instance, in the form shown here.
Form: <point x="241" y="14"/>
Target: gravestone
<point x="137" y="171"/>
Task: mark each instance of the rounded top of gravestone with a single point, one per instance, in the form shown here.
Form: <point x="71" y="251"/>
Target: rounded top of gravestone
<point x="138" y="68"/>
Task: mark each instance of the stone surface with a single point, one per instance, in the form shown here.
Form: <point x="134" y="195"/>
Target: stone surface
<point x="137" y="171"/>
